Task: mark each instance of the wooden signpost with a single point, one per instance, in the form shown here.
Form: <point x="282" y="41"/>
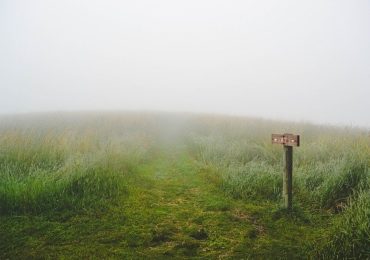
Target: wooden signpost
<point x="288" y="140"/>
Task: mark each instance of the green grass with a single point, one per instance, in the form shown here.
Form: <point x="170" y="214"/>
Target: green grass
<point x="54" y="174"/>
<point x="134" y="185"/>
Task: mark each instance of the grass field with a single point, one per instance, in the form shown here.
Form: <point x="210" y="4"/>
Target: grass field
<point x="157" y="185"/>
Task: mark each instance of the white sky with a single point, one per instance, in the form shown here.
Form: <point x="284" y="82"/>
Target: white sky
<point x="297" y="60"/>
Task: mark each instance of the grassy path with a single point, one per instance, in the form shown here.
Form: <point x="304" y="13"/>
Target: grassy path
<point x="173" y="210"/>
<point x="184" y="214"/>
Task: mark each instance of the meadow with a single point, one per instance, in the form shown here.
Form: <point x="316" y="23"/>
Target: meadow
<point x="142" y="185"/>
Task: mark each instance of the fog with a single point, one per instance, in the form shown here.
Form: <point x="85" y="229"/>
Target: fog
<point x="294" y="60"/>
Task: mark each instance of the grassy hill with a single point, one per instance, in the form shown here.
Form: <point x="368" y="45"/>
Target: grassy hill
<point x="157" y="185"/>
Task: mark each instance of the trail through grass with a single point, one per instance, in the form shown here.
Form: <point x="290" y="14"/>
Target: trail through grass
<point x="185" y="215"/>
<point x="173" y="209"/>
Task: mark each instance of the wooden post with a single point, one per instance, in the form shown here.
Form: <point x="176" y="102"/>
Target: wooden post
<point x="288" y="177"/>
<point x="288" y="140"/>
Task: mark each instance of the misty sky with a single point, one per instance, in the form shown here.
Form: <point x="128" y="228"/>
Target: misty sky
<point x="296" y="60"/>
